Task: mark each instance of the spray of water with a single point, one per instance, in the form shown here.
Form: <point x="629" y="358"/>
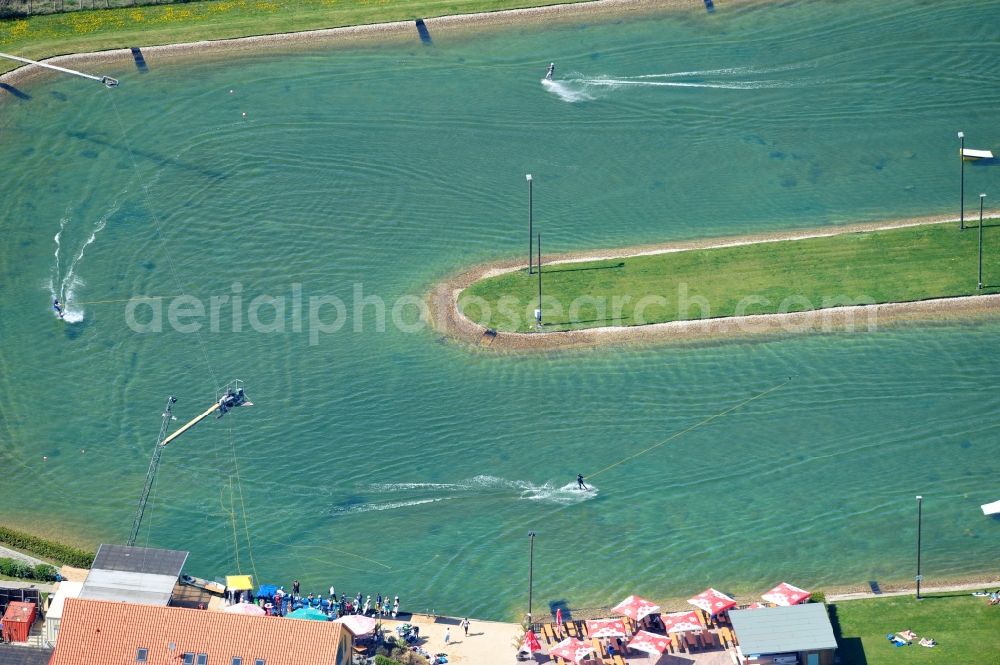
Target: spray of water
<point x="476" y="487"/>
<point x="65" y="282"/>
<point x="586" y="88"/>
<point x="569" y="91"/>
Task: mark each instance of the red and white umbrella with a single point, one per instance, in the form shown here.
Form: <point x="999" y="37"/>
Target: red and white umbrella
<point x="679" y="622"/>
<point x="636" y="607"/>
<point x="713" y="601"/>
<point x="756" y="606"/>
<point x="572" y="649"/>
<point x="606" y="628"/>
<point x="531" y="644"/>
<point x="246" y="608"/>
<point x="359" y="624"/>
<point x="785" y="594"/>
<point x="651" y="643"/>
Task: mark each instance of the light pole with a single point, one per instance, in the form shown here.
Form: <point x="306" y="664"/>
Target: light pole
<point x="919" y="576"/>
<point x="981" y="197"/>
<point x="530" y="235"/>
<point x="961" y="158"/>
<point x="539" y="279"/>
<point x="531" y="568"/>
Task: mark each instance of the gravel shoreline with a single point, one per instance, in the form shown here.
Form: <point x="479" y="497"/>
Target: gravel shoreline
<point x="442" y="303"/>
<point x="350" y="35"/>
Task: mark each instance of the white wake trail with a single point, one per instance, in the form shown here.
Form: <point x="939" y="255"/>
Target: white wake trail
<point x="65" y="286"/>
<point x="54" y="287"/>
<point x="727" y="71"/>
<point x="389" y="505"/>
<point x="478" y="486"/>
<point x="728" y="85"/>
<point x="586" y="88"/>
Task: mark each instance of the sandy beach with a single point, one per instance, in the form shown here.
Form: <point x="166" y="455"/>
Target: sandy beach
<point x="487" y="642"/>
<point x="442" y="301"/>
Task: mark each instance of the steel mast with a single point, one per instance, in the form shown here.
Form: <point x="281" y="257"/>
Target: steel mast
<point x="151" y="473"/>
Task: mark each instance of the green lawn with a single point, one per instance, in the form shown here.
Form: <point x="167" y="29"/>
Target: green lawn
<point x="95" y="30"/>
<point x="966" y="628"/>
<point x="915" y="263"/>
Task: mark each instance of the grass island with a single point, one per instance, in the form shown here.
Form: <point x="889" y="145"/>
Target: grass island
<point x="890" y="265"/>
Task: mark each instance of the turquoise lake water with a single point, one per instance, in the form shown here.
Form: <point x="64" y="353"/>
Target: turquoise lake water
<point x="400" y="463"/>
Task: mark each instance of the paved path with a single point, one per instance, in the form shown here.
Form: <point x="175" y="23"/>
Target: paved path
<point x="27" y="584"/>
<point x="8" y="553"/>
<point x="977" y="586"/>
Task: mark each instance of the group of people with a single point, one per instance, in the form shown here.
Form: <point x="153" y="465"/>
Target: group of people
<point x="905" y="637"/>
<point x="283" y="602"/>
<point x="336" y="606"/>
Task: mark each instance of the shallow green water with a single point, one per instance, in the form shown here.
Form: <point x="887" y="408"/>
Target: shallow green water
<point x="396" y="462"/>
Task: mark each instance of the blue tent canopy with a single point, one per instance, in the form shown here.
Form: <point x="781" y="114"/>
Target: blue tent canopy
<point x="266" y="590"/>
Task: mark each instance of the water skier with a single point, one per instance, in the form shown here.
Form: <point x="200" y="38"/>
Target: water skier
<point x="57" y="307"/>
<point x="580" y="484"/>
<point x="552" y="70"/>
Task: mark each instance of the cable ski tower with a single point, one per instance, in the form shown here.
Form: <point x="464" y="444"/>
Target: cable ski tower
<point x="228" y="398"/>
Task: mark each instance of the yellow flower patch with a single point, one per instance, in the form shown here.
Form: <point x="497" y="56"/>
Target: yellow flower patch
<point x="86" y="22"/>
<point x="18" y="29"/>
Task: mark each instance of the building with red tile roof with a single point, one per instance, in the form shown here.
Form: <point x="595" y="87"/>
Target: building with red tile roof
<point x="116" y="633"/>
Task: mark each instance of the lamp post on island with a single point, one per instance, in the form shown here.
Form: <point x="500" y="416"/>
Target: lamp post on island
<point x="981" y="197"/>
<point x="920" y="500"/>
<point x="538" y="312"/>
<point x="530" y="236"/>
<point x="961" y="158"/>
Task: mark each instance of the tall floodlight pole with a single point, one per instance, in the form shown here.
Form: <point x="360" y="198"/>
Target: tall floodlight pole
<point x="539" y="279"/>
<point x="961" y="158"/>
<point x="530" y="232"/>
<point x="981" y="197"/>
<point x="920" y="500"/>
<point x="531" y="568"/>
